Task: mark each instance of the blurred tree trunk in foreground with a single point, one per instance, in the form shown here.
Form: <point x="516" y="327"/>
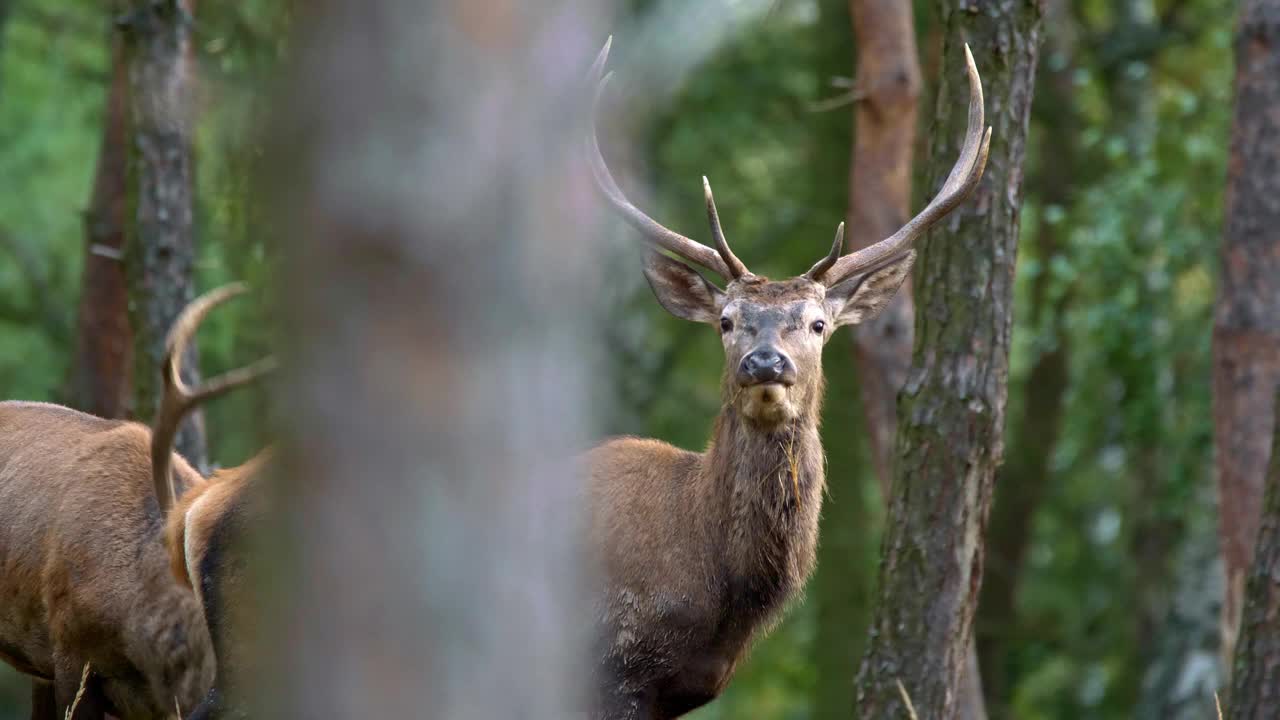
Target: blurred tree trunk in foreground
<point x="438" y="220"/>
<point x="102" y="368"/>
<point x="1246" y="332"/>
<point x="949" y="440"/>
<point x="161" y="250"/>
<point x="1255" y="676"/>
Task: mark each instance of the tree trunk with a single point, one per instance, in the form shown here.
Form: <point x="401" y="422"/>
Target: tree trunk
<point x="1255" y="681"/>
<point x="161" y="251"/>
<point x="888" y="93"/>
<point x="952" y="406"/>
<point x="102" y="369"/>
<point x="843" y="588"/>
<point x="1246" y="332"/>
<point x="1025" y="478"/>
<point x="888" y="90"/>
<point x="438" y="256"/>
<point x="1186" y="669"/>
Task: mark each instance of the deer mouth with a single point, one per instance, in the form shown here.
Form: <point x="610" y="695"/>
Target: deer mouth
<point x="768" y="402"/>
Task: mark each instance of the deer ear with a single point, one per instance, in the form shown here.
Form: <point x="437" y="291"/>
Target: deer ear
<point x="862" y="297"/>
<point x="681" y="289"/>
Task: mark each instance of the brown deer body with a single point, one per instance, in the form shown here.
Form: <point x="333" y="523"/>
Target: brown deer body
<point x="208" y="522"/>
<point x="84" y="577"/>
<point x="700" y="552"/>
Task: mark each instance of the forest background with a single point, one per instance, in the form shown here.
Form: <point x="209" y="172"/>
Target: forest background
<point x="1103" y="586"/>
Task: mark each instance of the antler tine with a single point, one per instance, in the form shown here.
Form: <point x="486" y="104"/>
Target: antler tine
<point x="837" y="249"/>
<point x="652" y="232"/>
<point x="179" y="398"/>
<point x="722" y="245"/>
<point x="962" y="180"/>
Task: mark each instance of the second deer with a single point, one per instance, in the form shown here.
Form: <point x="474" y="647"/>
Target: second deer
<point x="701" y="551"/>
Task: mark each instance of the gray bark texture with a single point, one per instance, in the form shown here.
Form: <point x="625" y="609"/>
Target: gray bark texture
<point x="161" y="245"/>
<point x="1246" y="329"/>
<point x="951" y="410"/>
<point x="1255" y="675"/>
<point x="439" y="227"/>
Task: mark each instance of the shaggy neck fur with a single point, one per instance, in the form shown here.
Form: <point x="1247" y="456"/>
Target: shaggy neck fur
<point x="764" y="486"/>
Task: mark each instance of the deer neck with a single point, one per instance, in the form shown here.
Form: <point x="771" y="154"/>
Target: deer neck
<point x="765" y="487"/>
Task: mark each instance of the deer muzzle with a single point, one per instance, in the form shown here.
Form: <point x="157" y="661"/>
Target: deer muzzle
<point x="766" y="365"/>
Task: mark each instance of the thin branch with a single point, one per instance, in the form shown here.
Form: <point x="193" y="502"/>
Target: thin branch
<point x="848" y="97"/>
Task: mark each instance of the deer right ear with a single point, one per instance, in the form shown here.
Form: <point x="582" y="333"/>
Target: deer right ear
<point x="862" y="297"/>
<point x="681" y="289"/>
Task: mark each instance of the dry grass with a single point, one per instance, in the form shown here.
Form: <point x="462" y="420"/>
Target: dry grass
<point x="84" y="683"/>
<point x="794" y="464"/>
<point x="911" y="709"/>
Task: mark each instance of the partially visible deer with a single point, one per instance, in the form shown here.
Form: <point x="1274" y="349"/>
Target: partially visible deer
<point x="208" y="522"/>
<point x="700" y="552"/>
<point x="84" y="573"/>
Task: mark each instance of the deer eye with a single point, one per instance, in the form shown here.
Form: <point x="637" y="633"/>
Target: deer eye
<point x="818" y="326"/>
<point x="725" y="324"/>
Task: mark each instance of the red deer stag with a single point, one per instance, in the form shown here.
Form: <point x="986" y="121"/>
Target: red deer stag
<point x="701" y="551"/>
<point x="208" y="521"/>
<point x="85" y="585"/>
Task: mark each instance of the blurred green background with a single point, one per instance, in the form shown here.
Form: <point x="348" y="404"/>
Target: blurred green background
<point x="1116" y="274"/>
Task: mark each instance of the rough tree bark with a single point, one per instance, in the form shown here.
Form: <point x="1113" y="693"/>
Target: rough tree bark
<point x="951" y="410"/>
<point x="102" y="368"/>
<point x="161" y="247"/>
<point x="1025" y="478"/>
<point x="437" y="258"/>
<point x="1246" y="331"/>
<point x="1255" y="677"/>
<point x="887" y="86"/>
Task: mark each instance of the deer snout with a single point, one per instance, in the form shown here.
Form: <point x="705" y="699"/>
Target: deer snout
<point x="766" y="365"/>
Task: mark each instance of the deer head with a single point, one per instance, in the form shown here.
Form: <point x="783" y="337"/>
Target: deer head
<point x="773" y="332"/>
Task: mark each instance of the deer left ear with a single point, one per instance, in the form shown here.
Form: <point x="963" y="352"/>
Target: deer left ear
<point x="681" y="289"/>
<point x="862" y="297"/>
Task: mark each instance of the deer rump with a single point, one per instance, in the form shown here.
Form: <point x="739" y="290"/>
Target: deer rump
<point x="204" y="537"/>
<point x="84" y="576"/>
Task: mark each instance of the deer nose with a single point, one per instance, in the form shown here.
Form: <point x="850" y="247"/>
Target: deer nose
<point x="764" y="365"/>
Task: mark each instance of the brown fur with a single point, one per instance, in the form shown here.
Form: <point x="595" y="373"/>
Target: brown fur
<point x="700" y="552"/>
<point x="216" y="497"/>
<point x="84" y="575"/>
<point x="203" y="537"/>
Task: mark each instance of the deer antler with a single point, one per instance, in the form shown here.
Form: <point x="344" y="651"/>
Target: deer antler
<point x="179" y="398"/>
<point x="721" y="260"/>
<point x="963" y="179"/>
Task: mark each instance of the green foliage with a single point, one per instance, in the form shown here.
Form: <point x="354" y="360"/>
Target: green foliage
<point x="1141" y="227"/>
<point x="1133" y="460"/>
